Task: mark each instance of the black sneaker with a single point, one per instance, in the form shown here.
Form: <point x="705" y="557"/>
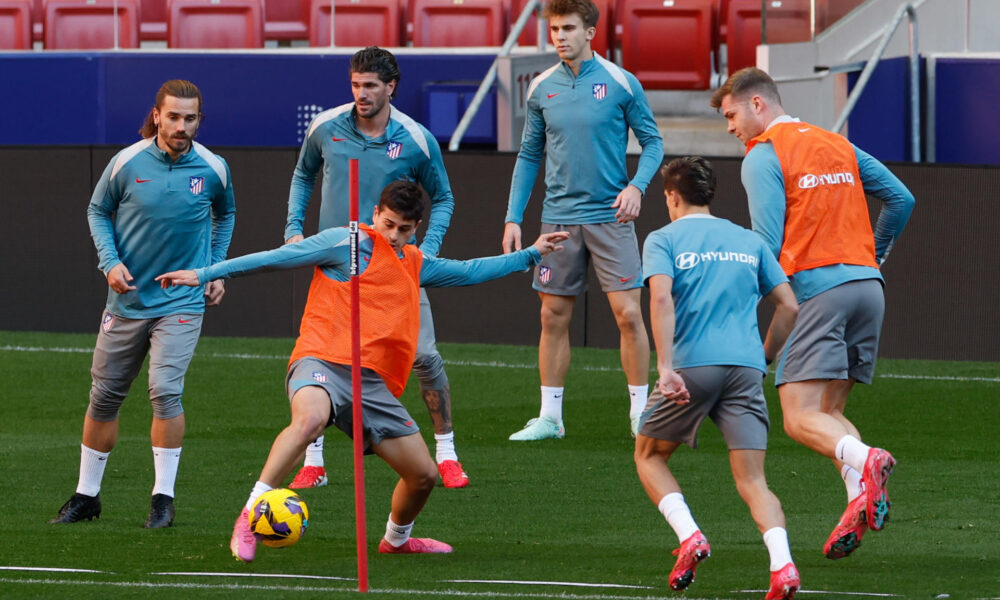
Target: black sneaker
<point x="78" y="508"/>
<point x="161" y="512"/>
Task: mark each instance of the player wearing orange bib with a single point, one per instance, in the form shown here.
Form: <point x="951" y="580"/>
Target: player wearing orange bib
<point x="319" y="373"/>
<point x="806" y="188"/>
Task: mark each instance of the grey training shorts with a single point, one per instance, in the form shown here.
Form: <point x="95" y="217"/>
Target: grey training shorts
<point x="382" y="414"/>
<point x="613" y="248"/>
<point x="836" y="335"/>
<point x="122" y="345"/>
<point x="733" y="397"/>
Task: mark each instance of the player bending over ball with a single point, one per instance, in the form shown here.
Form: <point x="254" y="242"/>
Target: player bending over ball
<point x="705" y="277"/>
<point x="319" y="371"/>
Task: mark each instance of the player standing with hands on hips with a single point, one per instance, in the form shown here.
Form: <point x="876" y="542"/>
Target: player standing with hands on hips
<point x="163" y="203"/>
<point x="806" y="188"/>
<point x="578" y="115"/>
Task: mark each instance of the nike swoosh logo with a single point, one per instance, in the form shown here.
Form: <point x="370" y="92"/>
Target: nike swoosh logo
<point x="337" y="139"/>
<point x="624" y="279"/>
<point x="137" y="180"/>
<point x="553" y="95"/>
<point x="803" y="130"/>
<point x="183" y="321"/>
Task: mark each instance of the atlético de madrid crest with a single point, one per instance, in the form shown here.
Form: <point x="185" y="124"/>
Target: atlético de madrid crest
<point x="600" y="91"/>
<point x="393" y="150"/>
<point x="196" y="184"/>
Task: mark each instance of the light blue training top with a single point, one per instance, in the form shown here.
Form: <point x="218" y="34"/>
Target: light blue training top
<point x="405" y="151"/>
<point x="330" y="250"/>
<point x="580" y="125"/>
<point x="155" y="216"/>
<point x="720" y="271"/>
<point x="765" y="185"/>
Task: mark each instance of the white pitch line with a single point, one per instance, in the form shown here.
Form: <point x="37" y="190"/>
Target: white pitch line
<point x="303" y="588"/>
<point x="274" y="575"/>
<point x="476" y="363"/>
<point x="874" y="594"/>
<point x="54" y="570"/>
<point x="560" y="583"/>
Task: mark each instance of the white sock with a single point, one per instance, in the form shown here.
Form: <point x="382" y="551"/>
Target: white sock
<point x="258" y="488"/>
<point x="852" y="480"/>
<point x="638" y="394"/>
<point x="678" y="515"/>
<point x="314" y="454"/>
<point x="852" y="451"/>
<point x="552" y="399"/>
<point x="445" y="447"/>
<point x="92" y="465"/>
<point x="776" y="540"/>
<point x="397" y="534"/>
<point x="165" y="463"/>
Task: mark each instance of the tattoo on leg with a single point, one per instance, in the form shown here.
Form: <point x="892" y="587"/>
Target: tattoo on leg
<point x="439" y="406"/>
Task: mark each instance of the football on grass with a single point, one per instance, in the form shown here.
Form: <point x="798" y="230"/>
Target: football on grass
<point x="279" y="518"/>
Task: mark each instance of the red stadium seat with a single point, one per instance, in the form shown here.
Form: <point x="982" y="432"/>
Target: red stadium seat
<point x="154" y="20"/>
<point x="667" y="44"/>
<point x="215" y="23"/>
<point x="458" y="23"/>
<point x="286" y="19"/>
<point x="358" y="23"/>
<point x="15" y="24"/>
<point x="787" y="21"/>
<point x="602" y="42"/>
<point x="90" y="25"/>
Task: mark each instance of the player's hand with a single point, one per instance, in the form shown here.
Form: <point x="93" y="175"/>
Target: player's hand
<point x="295" y="238"/>
<point x="511" y="238"/>
<point x="214" y="290"/>
<point x="671" y="385"/>
<point x="119" y="279"/>
<point x="187" y="278"/>
<point x="549" y="242"/>
<point x="628" y="203"/>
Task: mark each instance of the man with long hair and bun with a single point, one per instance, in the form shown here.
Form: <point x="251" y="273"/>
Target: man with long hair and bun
<point x="164" y="203"/>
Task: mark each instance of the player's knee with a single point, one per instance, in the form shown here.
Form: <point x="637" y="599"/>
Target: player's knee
<point x="427" y="478"/>
<point x="629" y="318"/>
<point x="429" y="369"/>
<point x="166" y="406"/>
<point x="554" y="318"/>
<point x="104" y="404"/>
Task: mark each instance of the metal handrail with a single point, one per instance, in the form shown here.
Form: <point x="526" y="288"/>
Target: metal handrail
<point x="491" y="75"/>
<point x="852" y="100"/>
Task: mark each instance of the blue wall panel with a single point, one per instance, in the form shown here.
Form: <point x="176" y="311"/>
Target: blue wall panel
<point x="252" y="99"/>
<point x="966" y="127"/>
<point x="880" y="121"/>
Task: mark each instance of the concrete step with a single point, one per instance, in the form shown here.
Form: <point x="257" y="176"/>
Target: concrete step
<point x="704" y="136"/>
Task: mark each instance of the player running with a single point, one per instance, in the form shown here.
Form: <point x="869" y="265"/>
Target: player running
<point x="806" y="188"/>
<point x="578" y="115"/>
<point x="319" y="372"/>
<point x="165" y="202"/>
<point x="389" y="146"/>
<point x="706" y="277"/>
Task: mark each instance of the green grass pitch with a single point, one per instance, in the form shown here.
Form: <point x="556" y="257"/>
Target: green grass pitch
<point x="556" y="511"/>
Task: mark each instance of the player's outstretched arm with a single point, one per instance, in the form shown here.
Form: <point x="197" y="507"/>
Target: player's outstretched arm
<point x="184" y="277"/>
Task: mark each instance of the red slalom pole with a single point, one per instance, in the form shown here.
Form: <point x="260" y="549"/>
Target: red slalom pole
<point x="358" y="432"/>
